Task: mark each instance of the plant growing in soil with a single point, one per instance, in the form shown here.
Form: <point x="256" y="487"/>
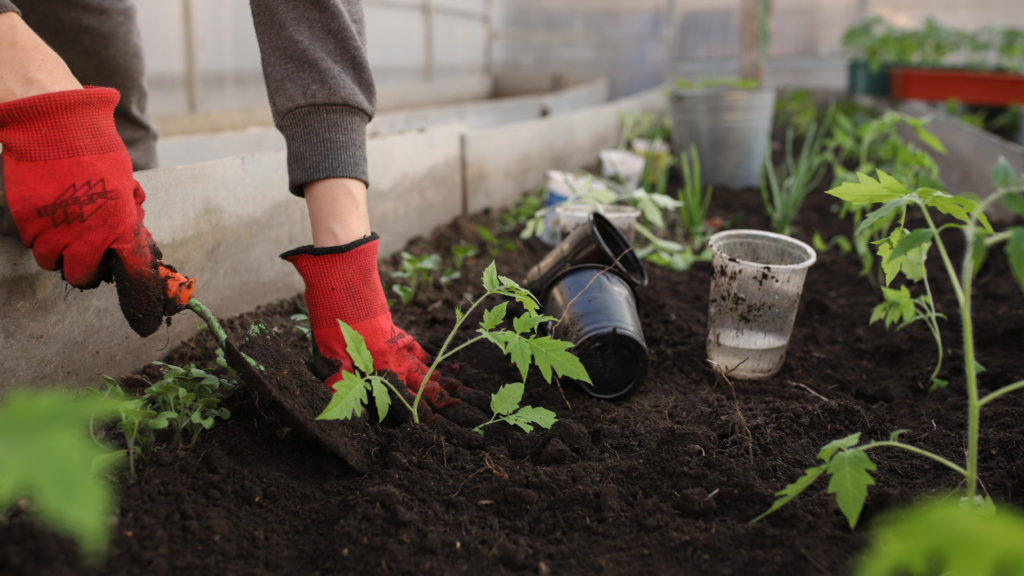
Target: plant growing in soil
<point x="138" y="421"/>
<point x="416" y="271"/>
<point x="521" y="344"/>
<point x="783" y="190"/>
<point x="189" y="398"/>
<point x="506" y="404"/>
<point x="50" y="467"/>
<point x="846" y="460"/>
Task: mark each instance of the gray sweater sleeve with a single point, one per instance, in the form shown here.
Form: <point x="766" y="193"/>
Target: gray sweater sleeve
<point x="318" y="79"/>
<point x="6" y="6"/>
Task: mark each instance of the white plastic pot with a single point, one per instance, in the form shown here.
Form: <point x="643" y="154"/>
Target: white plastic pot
<point x="624" y="166"/>
<point x="571" y="216"/>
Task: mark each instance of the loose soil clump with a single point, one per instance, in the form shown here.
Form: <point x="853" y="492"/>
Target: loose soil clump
<point x="663" y="481"/>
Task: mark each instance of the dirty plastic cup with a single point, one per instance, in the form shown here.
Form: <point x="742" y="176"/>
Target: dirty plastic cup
<point x="596" y="311"/>
<point x="622" y="165"/>
<point x="757" y="278"/>
<point x="571" y="216"/>
<point x="598" y="242"/>
<point x="560" y="186"/>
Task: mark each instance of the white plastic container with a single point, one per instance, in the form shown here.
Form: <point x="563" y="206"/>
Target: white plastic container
<point x="561" y="186"/>
<point x="756" y="284"/>
<point x="571" y="216"/>
<point x="624" y="166"/>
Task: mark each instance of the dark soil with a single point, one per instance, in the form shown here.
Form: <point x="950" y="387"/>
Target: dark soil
<point x="663" y="481"/>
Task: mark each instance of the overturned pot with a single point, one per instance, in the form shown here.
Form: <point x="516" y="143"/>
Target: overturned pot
<point x="596" y="242"/>
<point x="596" y="310"/>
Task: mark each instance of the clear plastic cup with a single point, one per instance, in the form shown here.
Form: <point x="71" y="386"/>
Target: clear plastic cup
<point x="624" y="166"/>
<point x="756" y="283"/>
<point x="572" y="216"/>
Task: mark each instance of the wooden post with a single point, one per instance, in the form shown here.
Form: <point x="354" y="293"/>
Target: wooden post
<point x="755" y="26"/>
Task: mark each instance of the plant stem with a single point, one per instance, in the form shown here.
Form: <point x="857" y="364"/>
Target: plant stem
<point x="1001" y="392"/>
<point x="211" y="321"/>
<point x="441" y="355"/>
<point x="919" y="451"/>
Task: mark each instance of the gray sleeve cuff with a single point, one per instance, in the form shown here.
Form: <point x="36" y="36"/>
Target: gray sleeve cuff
<point x="324" y="141"/>
<point x="6" y="6"/>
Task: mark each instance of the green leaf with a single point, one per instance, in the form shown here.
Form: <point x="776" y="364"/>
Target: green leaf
<point x="938" y="383"/>
<point x="1003" y="175"/>
<point x="528" y="416"/>
<point x="834" y="446"/>
<point x="348" y="399"/>
<point x="527" y="324"/>
<point x="867" y="190"/>
<point x="1015" y="254"/>
<point x="381" y="397"/>
<point x="895" y="434"/>
<point x="911" y="241"/>
<point x="506" y="400"/>
<point x="552" y="354"/>
<point x="942" y="537"/>
<point x="494" y="317"/>
<point x="519" y="352"/>
<point x="356" y="348"/>
<point x="881" y="214"/>
<point x="928" y="138"/>
<point x="490" y="277"/>
<point x="1014" y="201"/>
<point x="850" y="470"/>
<point x="793" y="490"/>
<point x="48" y="457"/>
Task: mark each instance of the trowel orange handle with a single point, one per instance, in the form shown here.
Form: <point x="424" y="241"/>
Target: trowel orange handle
<point x="179" y="289"/>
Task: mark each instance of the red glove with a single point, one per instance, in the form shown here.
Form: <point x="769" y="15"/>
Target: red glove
<point x="343" y="282"/>
<point x="73" y="198"/>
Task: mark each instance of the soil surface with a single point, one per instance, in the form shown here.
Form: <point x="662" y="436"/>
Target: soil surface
<point x="663" y="481"/>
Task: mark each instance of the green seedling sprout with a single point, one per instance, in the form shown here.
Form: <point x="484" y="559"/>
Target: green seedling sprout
<point x="189" y="398"/>
<point x="694" y="199"/>
<point x="846" y="461"/>
<point x="416" y="271"/>
<point x="521" y="344"/>
<point x="785" y="188"/>
<point x="138" y="421"/>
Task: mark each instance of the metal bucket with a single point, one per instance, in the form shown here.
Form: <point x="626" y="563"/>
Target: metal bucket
<point x="730" y="128"/>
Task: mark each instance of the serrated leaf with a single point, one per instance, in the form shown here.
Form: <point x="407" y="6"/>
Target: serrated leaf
<point x="878" y="312"/>
<point x="1014" y="250"/>
<point x="381" y="397"/>
<point x="938" y="383"/>
<point x="506" y="400"/>
<point x="494" y="317"/>
<point x="867" y="190"/>
<point x="552" y="354"/>
<point x="909" y="242"/>
<point x="834" y="446"/>
<point x="850" y="477"/>
<point x="519" y="352"/>
<point x="793" y="490"/>
<point x="490" y="277"/>
<point x="942" y="537"/>
<point x="528" y="416"/>
<point x="527" y="324"/>
<point x="348" y="399"/>
<point x="355" y="345"/>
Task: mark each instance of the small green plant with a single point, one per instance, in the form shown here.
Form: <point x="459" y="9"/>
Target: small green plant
<point x="795" y="109"/>
<point x="945" y="537"/>
<point x="521" y="344"/>
<point x="522" y="211"/>
<point x="48" y="458"/>
<point x="846" y="460"/>
<point x="645" y="126"/>
<point x="784" y="190"/>
<point x="415" y="271"/>
<point x="190" y="399"/>
<point x="138" y="421"/>
<point x="495" y="244"/>
<point x="899" y="308"/>
<point x="694" y="200"/>
<point x="506" y="404"/>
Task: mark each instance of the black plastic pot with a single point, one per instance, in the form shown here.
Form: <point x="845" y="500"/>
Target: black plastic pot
<point x="597" y="312"/>
<point x="597" y="242"/>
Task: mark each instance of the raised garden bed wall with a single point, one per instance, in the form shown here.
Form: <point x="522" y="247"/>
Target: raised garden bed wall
<point x="225" y="222"/>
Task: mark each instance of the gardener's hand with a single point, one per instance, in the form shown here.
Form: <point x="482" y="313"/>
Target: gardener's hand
<point x="72" y="196"/>
<point x="343" y="283"/>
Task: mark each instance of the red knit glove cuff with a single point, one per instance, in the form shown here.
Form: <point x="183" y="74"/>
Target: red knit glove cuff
<point x="58" y="125"/>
